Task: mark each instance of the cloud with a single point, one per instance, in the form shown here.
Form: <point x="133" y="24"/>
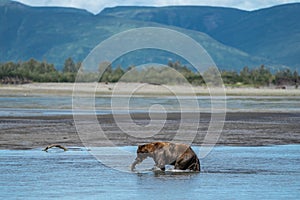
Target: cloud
<point x="96" y="6"/>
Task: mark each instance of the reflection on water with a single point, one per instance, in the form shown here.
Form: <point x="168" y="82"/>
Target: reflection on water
<point x="47" y="105"/>
<point x="227" y="173"/>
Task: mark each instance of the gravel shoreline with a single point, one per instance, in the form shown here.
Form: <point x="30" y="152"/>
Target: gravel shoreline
<point x="240" y="129"/>
<point x="121" y="88"/>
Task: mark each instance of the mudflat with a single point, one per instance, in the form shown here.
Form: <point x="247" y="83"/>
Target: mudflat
<point x="240" y="129"/>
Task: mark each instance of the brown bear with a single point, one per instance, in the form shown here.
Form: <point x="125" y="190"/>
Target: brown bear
<point x="181" y="156"/>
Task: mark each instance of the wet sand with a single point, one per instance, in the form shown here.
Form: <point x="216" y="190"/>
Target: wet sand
<point x="240" y="129"/>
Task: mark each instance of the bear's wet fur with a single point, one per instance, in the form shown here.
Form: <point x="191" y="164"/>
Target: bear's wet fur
<point x="181" y="156"/>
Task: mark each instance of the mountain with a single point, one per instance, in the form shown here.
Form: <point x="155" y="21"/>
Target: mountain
<point x="198" y="18"/>
<point x="272" y="33"/>
<point x="28" y="32"/>
<point x="54" y="34"/>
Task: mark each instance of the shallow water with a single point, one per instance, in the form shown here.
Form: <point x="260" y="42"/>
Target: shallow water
<point x="49" y="105"/>
<point x="227" y="173"/>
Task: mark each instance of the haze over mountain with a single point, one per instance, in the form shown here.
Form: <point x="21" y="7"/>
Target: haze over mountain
<point x="234" y="38"/>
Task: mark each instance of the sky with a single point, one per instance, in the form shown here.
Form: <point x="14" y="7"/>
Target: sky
<point x="95" y="6"/>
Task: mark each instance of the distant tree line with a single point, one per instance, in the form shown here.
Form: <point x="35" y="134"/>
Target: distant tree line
<point x="35" y="71"/>
<point x="176" y="73"/>
<point x="261" y="76"/>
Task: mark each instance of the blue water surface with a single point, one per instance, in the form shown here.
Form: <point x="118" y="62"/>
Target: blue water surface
<point x="227" y="173"/>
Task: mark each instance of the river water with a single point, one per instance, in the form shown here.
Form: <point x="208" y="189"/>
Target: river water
<point x="61" y="105"/>
<point x="271" y="172"/>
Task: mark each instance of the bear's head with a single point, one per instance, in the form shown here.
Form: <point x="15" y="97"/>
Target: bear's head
<point x="145" y="150"/>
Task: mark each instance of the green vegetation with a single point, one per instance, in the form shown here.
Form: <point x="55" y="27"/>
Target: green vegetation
<point x="35" y="71"/>
<point x="174" y="73"/>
